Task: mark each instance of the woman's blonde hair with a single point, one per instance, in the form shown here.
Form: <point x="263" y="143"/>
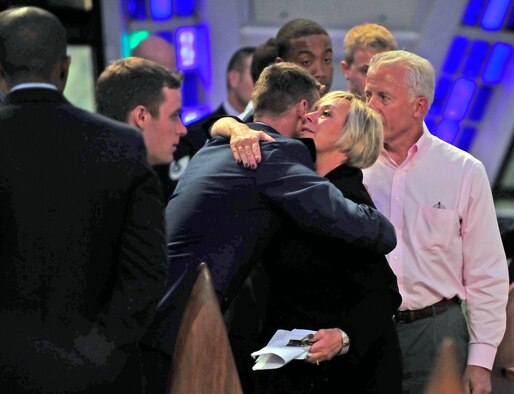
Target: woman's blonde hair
<point x="362" y="135"/>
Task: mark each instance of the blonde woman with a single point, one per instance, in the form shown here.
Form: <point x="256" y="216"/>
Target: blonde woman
<point x="345" y="293"/>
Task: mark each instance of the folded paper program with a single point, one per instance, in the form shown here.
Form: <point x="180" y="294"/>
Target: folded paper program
<point x="283" y="347"/>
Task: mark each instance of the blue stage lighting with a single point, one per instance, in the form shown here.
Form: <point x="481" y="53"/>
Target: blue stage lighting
<point x="495" y="14"/>
<point x="476" y="58"/>
<point x="480" y="104"/>
<point x="441" y="91"/>
<point x="472" y="12"/>
<point x="466" y="138"/>
<point x="160" y="10"/>
<point x="136" y="9"/>
<point x="455" y="54"/>
<point x="460" y="98"/>
<point x="447" y="130"/>
<point x="185" y="7"/>
<point x="498" y="61"/>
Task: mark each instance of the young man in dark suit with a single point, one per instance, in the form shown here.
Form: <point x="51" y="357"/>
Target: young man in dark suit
<point x="81" y="236"/>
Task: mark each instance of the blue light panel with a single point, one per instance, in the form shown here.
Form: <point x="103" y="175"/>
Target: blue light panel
<point x="472" y="12"/>
<point x="459" y="100"/>
<point x="495" y="14"/>
<point x="186" y="38"/>
<point x="455" y="54"/>
<point x="160" y="10"/>
<point x="498" y="61"/>
<point x="192" y="114"/>
<point x="441" y="91"/>
<point x="480" y="104"/>
<point x="466" y="138"/>
<point x="166" y="34"/>
<point x="185" y="7"/>
<point x="447" y="130"/>
<point x="136" y="9"/>
<point x="476" y="58"/>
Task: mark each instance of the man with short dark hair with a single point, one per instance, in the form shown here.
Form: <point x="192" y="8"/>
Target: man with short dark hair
<point x="81" y="235"/>
<point x="307" y="43"/>
<point x="147" y="96"/>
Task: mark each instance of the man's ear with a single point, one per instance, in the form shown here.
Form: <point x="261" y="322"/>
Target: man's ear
<point x="345" y="69"/>
<point x="233" y="78"/>
<point x="421" y="107"/>
<point x="64" y="70"/>
<point x="302" y="108"/>
<point x="138" y="117"/>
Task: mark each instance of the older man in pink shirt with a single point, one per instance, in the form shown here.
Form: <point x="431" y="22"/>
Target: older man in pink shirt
<point x="449" y="247"/>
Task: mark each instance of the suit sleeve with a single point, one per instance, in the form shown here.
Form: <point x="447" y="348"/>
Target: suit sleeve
<point x="287" y="178"/>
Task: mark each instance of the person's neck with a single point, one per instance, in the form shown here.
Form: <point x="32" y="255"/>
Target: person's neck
<point x="399" y="148"/>
<point x="326" y="162"/>
<point x="235" y="102"/>
<point x="282" y="124"/>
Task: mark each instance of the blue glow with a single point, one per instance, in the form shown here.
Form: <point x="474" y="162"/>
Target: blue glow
<point x="190" y="115"/>
<point x="430" y="122"/>
<point x="466" y="138"/>
<point x="472" y="12"/>
<point x="480" y="104"/>
<point x="185" y="7"/>
<point x="160" y="9"/>
<point x="447" y="130"/>
<point x="498" y="61"/>
<point x="460" y="98"/>
<point x="476" y="58"/>
<point x="166" y="34"/>
<point x="495" y="14"/>
<point x="191" y="87"/>
<point x="455" y="54"/>
<point x="186" y="39"/>
<point x="510" y="21"/>
<point x="441" y="91"/>
<point x="136" y="9"/>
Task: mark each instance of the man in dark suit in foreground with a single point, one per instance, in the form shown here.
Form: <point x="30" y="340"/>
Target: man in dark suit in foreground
<point x="81" y="229"/>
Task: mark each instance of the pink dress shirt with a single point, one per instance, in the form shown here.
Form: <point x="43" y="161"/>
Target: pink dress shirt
<point x="440" y="203"/>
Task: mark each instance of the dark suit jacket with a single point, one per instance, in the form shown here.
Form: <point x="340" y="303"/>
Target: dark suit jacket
<point x="320" y="282"/>
<point x="82" y="261"/>
<point x="224" y="214"/>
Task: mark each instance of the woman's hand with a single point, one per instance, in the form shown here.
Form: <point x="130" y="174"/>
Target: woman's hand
<point x="244" y="143"/>
<point x="326" y="344"/>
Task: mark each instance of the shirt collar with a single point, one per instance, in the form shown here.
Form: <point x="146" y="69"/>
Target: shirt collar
<point x="32" y="85"/>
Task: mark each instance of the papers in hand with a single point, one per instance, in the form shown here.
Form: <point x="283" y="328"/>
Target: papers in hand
<point x="277" y="353"/>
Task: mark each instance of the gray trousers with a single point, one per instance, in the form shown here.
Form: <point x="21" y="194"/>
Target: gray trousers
<point x="419" y="342"/>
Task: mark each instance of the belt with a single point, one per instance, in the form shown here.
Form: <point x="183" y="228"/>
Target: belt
<point x="409" y="316"/>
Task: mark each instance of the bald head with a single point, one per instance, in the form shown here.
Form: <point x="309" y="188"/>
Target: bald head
<point x="32" y="47"/>
<point x="158" y="50"/>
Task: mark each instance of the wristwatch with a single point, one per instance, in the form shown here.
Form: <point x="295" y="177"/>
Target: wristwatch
<point x="346" y="342"/>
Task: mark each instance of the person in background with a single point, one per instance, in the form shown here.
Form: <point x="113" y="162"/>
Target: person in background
<point x="449" y="246"/>
<point x="239" y="91"/>
<point x="158" y="50"/>
<point x="306" y="43"/>
<point x="81" y="235"/>
<point x="360" y="43"/>
<point x="264" y="55"/>
<point x="147" y="96"/>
